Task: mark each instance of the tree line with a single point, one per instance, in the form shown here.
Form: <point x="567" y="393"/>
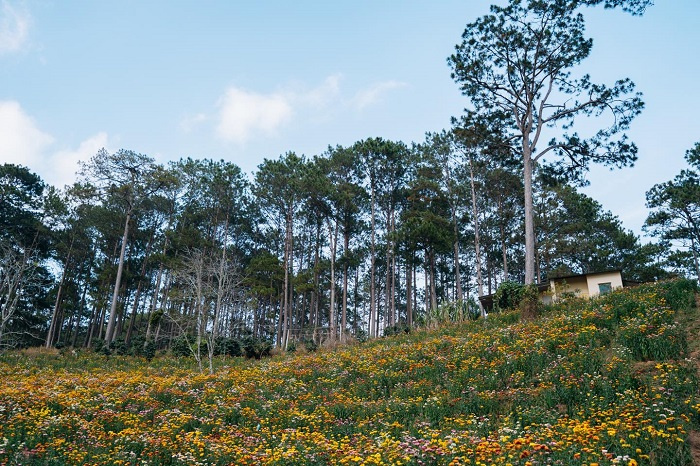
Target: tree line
<point x="357" y="241"/>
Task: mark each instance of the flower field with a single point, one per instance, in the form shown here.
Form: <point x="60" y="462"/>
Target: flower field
<point x="600" y="382"/>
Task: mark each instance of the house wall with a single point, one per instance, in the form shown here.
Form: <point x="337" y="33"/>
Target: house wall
<point x="576" y="285"/>
<point x="614" y="278"/>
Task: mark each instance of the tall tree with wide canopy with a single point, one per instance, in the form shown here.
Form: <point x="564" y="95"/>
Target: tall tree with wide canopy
<point x="518" y="61"/>
<point x="24" y="245"/>
<point x="278" y="187"/>
<point x="130" y="178"/>
<point x="346" y="199"/>
<point x="383" y="164"/>
<point x="676" y="208"/>
<point x="439" y="148"/>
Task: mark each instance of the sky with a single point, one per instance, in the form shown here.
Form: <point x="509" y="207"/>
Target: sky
<point x="250" y="80"/>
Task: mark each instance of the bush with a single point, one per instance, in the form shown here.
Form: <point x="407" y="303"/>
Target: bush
<point x="529" y="304"/>
<point x="256" y="347"/>
<point x="119" y="347"/>
<point x="397" y="329"/>
<point x="142" y="348"/>
<point x="102" y="347"/>
<point x="680" y="294"/>
<point x="149" y="350"/>
<point x="310" y="345"/>
<point x="180" y="347"/>
<point x="228" y="347"/>
<point x="508" y="296"/>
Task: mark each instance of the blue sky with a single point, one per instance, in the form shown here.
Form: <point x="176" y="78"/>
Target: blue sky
<point x="248" y="80"/>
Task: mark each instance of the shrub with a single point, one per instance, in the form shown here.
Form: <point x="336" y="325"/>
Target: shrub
<point x="310" y="345"/>
<point x="451" y="311"/>
<point x="361" y="335"/>
<point x="228" y="347"/>
<point x="680" y="294"/>
<point x="397" y="329"/>
<point x="256" y="347"/>
<point x="149" y="350"/>
<point x="529" y="304"/>
<point x="102" y="347"/>
<point x="508" y="296"/>
<point x="119" y="347"/>
<point x="180" y="347"/>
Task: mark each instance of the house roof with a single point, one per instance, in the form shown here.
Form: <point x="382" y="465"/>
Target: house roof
<point x="600" y="272"/>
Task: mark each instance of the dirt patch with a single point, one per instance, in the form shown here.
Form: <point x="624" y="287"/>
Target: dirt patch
<point x="644" y="367"/>
<point x="695" y="446"/>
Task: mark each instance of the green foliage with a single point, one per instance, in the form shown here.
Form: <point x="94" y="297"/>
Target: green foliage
<point x="361" y="335"/>
<point x="530" y="304"/>
<point x="103" y="348"/>
<point x="452" y="311"/>
<point x="675" y="214"/>
<point x="292" y="346"/>
<point x="180" y="347"/>
<point x="680" y="294"/>
<point x="228" y="347"/>
<point x="397" y="329"/>
<point x="256" y="348"/>
<point x="310" y="345"/>
<point x="149" y="350"/>
<point x="507" y="296"/>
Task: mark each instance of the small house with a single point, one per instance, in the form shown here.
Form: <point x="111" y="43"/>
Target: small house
<point x="586" y="285"/>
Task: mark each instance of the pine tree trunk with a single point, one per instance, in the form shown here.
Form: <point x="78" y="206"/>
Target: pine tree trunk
<point x="529" y="218"/>
<point x="333" y="238"/>
<point x="392" y="292"/>
<point x="286" y="306"/>
<point x="343" y="318"/>
<point x="409" y="282"/>
<point x="110" y="334"/>
<point x="426" y="277"/>
<point x="433" y="290"/>
<point x="316" y="298"/>
<point x="372" y="305"/>
<point x="504" y="250"/>
<point x="477" y="248"/>
<point x="458" y="271"/>
<point x="51" y="334"/>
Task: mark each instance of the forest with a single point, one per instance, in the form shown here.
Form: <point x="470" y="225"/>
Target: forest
<point x="355" y="242"/>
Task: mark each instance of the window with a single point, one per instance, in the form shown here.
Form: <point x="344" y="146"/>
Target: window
<point x="604" y="288"/>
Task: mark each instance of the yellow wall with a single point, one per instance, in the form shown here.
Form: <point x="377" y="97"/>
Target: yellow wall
<point x="614" y="278"/>
<point x="576" y="285"/>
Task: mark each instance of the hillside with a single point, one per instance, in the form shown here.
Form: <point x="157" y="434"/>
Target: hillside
<point x="609" y="381"/>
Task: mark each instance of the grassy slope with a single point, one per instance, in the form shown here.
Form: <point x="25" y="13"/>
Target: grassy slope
<point x="607" y="381"/>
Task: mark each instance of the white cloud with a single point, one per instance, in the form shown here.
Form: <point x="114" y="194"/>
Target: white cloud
<point x="14" y="28"/>
<point x="243" y="114"/>
<point x="191" y="122"/>
<point x="366" y="97"/>
<point x="321" y="96"/>
<point x="64" y="163"/>
<point x="21" y="142"/>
